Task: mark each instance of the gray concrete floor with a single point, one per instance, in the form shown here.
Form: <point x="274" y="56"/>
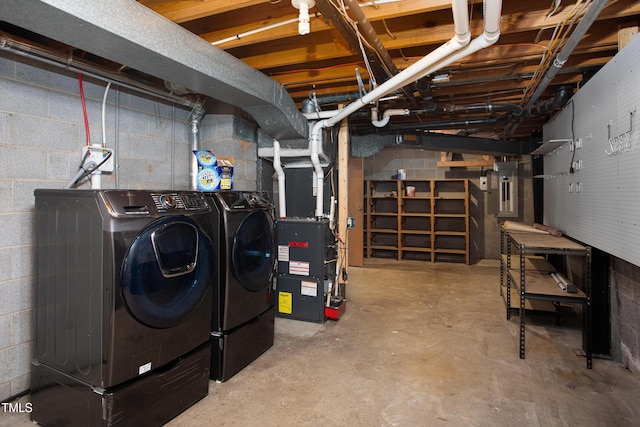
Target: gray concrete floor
<point x="420" y="344"/>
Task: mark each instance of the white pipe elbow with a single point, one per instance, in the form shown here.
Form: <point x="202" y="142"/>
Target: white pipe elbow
<point x="386" y="116"/>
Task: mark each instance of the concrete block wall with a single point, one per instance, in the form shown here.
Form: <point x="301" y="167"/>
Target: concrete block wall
<point x="625" y="313"/>
<point x="229" y="135"/>
<point x="41" y="136"/>
<point x="419" y="164"/>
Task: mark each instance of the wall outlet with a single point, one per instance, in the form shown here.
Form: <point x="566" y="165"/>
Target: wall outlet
<point x="97" y="154"/>
<point x="351" y="222"/>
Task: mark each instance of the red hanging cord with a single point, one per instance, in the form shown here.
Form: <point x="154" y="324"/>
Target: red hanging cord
<point x="84" y="107"/>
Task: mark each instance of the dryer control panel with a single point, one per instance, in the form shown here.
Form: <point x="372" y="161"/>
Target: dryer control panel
<point x="153" y="203"/>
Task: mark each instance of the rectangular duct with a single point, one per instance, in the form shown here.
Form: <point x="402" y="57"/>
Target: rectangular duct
<point x="130" y="34"/>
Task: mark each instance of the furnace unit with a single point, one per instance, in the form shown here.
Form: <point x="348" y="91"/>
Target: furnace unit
<point x="307" y="258"/>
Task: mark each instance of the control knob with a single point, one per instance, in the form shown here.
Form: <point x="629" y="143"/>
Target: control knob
<point x="168" y="201"/>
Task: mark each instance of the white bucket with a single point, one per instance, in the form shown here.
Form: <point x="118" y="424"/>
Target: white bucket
<point x="411" y="191"/>
<point x="402" y="174"/>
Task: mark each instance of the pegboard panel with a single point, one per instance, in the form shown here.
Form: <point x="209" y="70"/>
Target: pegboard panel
<point x="599" y="202"/>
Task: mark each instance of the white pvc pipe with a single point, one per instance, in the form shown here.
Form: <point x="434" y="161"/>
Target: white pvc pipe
<point x="414" y="71"/>
<point x="386" y="116"/>
<point x="267" y="152"/>
<point x="277" y="165"/>
<point x="332" y="212"/>
<point x="104" y="115"/>
<point x="460" y="39"/>
<point x="286" y="22"/>
<point x="490" y="35"/>
<point x="318" y="172"/>
<point x="256" y="31"/>
<point x="96" y="177"/>
<point x="317" y="115"/>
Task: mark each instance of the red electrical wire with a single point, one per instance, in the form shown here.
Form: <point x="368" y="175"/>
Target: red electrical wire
<point x="84" y="108"/>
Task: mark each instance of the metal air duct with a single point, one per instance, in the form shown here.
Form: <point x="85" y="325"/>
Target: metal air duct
<point x="130" y="34"/>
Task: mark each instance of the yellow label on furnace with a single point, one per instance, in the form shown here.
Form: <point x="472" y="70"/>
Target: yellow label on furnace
<point x="285" y="300"/>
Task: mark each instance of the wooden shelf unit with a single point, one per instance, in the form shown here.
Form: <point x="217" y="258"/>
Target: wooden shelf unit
<point x="432" y="225"/>
<point x="525" y="269"/>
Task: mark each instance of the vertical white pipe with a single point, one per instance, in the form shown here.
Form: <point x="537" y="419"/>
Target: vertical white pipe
<point x="332" y="212"/>
<point x="277" y="165"/>
<point x="318" y="172"/>
<point x="492" y="10"/>
<point x="194" y="138"/>
<point x="96" y="177"/>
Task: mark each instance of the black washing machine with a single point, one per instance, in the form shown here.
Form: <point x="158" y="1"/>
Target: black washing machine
<point x="122" y="316"/>
<point x="242" y="327"/>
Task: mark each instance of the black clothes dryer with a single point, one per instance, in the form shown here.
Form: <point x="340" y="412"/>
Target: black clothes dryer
<point x="242" y="327"/>
<point x="122" y="315"/>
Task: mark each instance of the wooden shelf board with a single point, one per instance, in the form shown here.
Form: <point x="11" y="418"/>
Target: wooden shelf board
<point x="543" y="285"/>
<point x="531" y="263"/>
<point x="386" y="247"/>
<point x="450" y="233"/>
<point x="529" y="304"/>
<point x="383" y="230"/>
<point x="417" y="232"/>
<point x="450" y="251"/>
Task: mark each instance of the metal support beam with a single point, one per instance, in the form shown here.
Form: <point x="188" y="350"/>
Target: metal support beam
<point x="368" y="145"/>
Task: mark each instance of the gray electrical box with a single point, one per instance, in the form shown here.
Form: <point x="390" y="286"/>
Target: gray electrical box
<point x="502" y="188"/>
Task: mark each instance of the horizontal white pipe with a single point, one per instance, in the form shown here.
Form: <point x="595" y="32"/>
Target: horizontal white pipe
<point x="285" y="22"/>
<point x="305" y="164"/>
<point x="256" y="31"/>
<point x="268" y="153"/>
<point x="317" y="115"/>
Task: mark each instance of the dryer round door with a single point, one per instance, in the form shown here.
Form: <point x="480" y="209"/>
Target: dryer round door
<point x="167" y="271"/>
<point x="253" y="251"/>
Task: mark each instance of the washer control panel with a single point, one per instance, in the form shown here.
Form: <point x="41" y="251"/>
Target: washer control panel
<point x="153" y="203"/>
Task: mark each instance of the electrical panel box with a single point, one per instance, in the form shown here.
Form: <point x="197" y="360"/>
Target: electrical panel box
<point x="307" y="259"/>
<point x="503" y="189"/>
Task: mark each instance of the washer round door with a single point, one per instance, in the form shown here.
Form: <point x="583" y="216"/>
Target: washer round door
<point x="253" y="251"/>
<point x="167" y="271"/>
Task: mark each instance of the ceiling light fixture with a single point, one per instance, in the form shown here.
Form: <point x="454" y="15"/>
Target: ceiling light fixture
<point x="303" y="19"/>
